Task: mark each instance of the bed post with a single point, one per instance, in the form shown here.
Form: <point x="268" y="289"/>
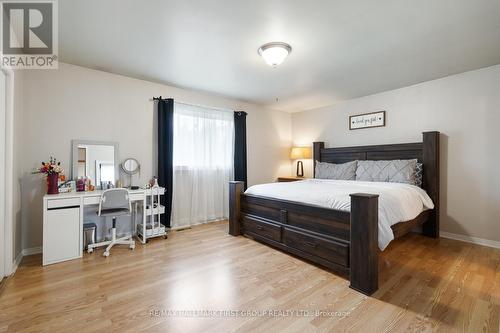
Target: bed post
<point x="317" y="146"/>
<point x="430" y="160"/>
<point x="364" y="243"/>
<point x="235" y="191"/>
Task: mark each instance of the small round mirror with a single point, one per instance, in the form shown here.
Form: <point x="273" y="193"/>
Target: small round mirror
<point x="130" y="166"/>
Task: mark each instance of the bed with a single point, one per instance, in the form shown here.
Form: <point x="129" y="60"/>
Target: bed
<point x="343" y="237"/>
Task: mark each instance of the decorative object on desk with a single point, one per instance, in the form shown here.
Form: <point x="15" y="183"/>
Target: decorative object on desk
<point x="80" y="184"/>
<point x="153" y="182"/>
<point x="54" y="172"/>
<point x="64" y="189"/>
<point x="298" y="153"/>
<point x="367" y="120"/>
<point x="107" y="185"/>
<point x="130" y="166"/>
<point x="88" y="185"/>
<point x="67" y="186"/>
<point x="52" y="183"/>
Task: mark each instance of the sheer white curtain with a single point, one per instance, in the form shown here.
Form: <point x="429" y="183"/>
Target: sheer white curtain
<point x="203" y="164"/>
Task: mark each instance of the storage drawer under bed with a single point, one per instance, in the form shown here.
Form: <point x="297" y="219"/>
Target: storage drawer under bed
<point x="261" y="228"/>
<point x="330" y="250"/>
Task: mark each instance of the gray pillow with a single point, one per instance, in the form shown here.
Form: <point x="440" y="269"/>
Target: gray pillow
<point x="345" y="171"/>
<point x="419" y="173"/>
<point x="394" y="171"/>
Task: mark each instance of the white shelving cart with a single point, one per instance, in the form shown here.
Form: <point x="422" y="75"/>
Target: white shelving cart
<point x="153" y="211"/>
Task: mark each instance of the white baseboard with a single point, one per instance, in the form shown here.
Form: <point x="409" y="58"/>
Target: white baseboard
<point x="17" y="262"/>
<point x="32" y="250"/>
<point x="469" y="239"/>
<point x="195" y="225"/>
<point x="22" y="254"/>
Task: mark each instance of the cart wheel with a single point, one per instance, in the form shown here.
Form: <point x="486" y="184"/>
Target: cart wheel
<point x="90" y="250"/>
<point x="132" y="246"/>
<point x="106" y="254"/>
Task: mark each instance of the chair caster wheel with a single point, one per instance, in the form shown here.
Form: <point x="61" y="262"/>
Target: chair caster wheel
<point x="132" y="247"/>
<point x="90" y="250"/>
<point x="106" y="254"/>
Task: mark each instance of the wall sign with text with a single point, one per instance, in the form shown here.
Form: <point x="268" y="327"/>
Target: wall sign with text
<point x="367" y="120"/>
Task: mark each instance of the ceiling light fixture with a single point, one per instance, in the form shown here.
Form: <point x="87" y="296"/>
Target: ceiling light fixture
<point x="274" y="53"/>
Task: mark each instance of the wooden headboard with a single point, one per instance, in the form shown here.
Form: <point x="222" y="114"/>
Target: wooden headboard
<point x="426" y="152"/>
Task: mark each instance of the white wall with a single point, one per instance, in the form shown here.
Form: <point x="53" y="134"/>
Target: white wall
<point x="18" y="168"/>
<point x="13" y="139"/>
<point x="3" y="165"/>
<point x="78" y="103"/>
<point x="465" y="108"/>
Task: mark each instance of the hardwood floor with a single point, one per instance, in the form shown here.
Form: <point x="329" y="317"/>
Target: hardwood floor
<point x="425" y="285"/>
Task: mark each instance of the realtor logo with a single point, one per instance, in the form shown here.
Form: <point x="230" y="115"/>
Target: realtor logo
<point x="29" y="34"/>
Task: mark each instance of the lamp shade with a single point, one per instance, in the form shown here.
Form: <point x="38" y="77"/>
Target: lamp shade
<point x="298" y="153"/>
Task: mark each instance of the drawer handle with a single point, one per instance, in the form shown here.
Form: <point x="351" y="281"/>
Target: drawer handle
<point x="64" y="207"/>
<point x="311" y="244"/>
<point x="259" y="227"/>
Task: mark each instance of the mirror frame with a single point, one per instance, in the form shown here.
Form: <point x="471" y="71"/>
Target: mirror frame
<point x="74" y="153"/>
<point x="137" y="170"/>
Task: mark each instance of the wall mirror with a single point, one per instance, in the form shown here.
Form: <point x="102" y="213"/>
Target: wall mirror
<point x="96" y="160"/>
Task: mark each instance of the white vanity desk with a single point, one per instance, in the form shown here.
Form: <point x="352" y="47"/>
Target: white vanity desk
<point x="63" y="216"/>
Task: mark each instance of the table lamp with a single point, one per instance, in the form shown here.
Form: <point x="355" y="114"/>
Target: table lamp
<point x="298" y="153"/>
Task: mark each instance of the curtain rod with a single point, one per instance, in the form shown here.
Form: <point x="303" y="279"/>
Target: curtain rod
<point x="191" y="104"/>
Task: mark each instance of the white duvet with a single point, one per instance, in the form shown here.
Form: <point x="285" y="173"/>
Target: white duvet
<point x="397" y="202"/>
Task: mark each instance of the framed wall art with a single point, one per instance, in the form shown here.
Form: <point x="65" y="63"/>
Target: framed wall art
<point x="367" y="120"/>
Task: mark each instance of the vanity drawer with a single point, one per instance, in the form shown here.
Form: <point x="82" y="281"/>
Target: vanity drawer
<point x="91" y="200"/>
<point x="261" y="228"/>
<point x="94" y="200"/>
<point x="327" y="249"/>
<point x="136" y="196"/>
<point x="59" y="203"/>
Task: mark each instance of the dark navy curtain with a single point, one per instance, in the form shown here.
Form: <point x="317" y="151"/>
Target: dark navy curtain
<point x="166" y="154"/>
<point x="240" y="146"/>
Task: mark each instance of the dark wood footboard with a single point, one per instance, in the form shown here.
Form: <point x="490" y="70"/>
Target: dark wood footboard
<point x="364" y="243"/>
<point x="341" y="241"/>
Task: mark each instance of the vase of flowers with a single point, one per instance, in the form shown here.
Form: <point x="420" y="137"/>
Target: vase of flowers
<point x="54" y="172"/>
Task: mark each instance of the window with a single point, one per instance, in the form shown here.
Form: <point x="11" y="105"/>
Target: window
<point x="203" y="164"/>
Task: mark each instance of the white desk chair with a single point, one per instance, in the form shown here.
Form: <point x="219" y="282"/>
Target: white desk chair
<point x="114" y="202"/>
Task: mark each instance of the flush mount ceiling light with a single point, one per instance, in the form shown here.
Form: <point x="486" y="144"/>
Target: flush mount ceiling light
<point x="274" y="53"/>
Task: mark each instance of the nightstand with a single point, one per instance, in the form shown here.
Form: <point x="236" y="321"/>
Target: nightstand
<point x="290" y="179"/>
